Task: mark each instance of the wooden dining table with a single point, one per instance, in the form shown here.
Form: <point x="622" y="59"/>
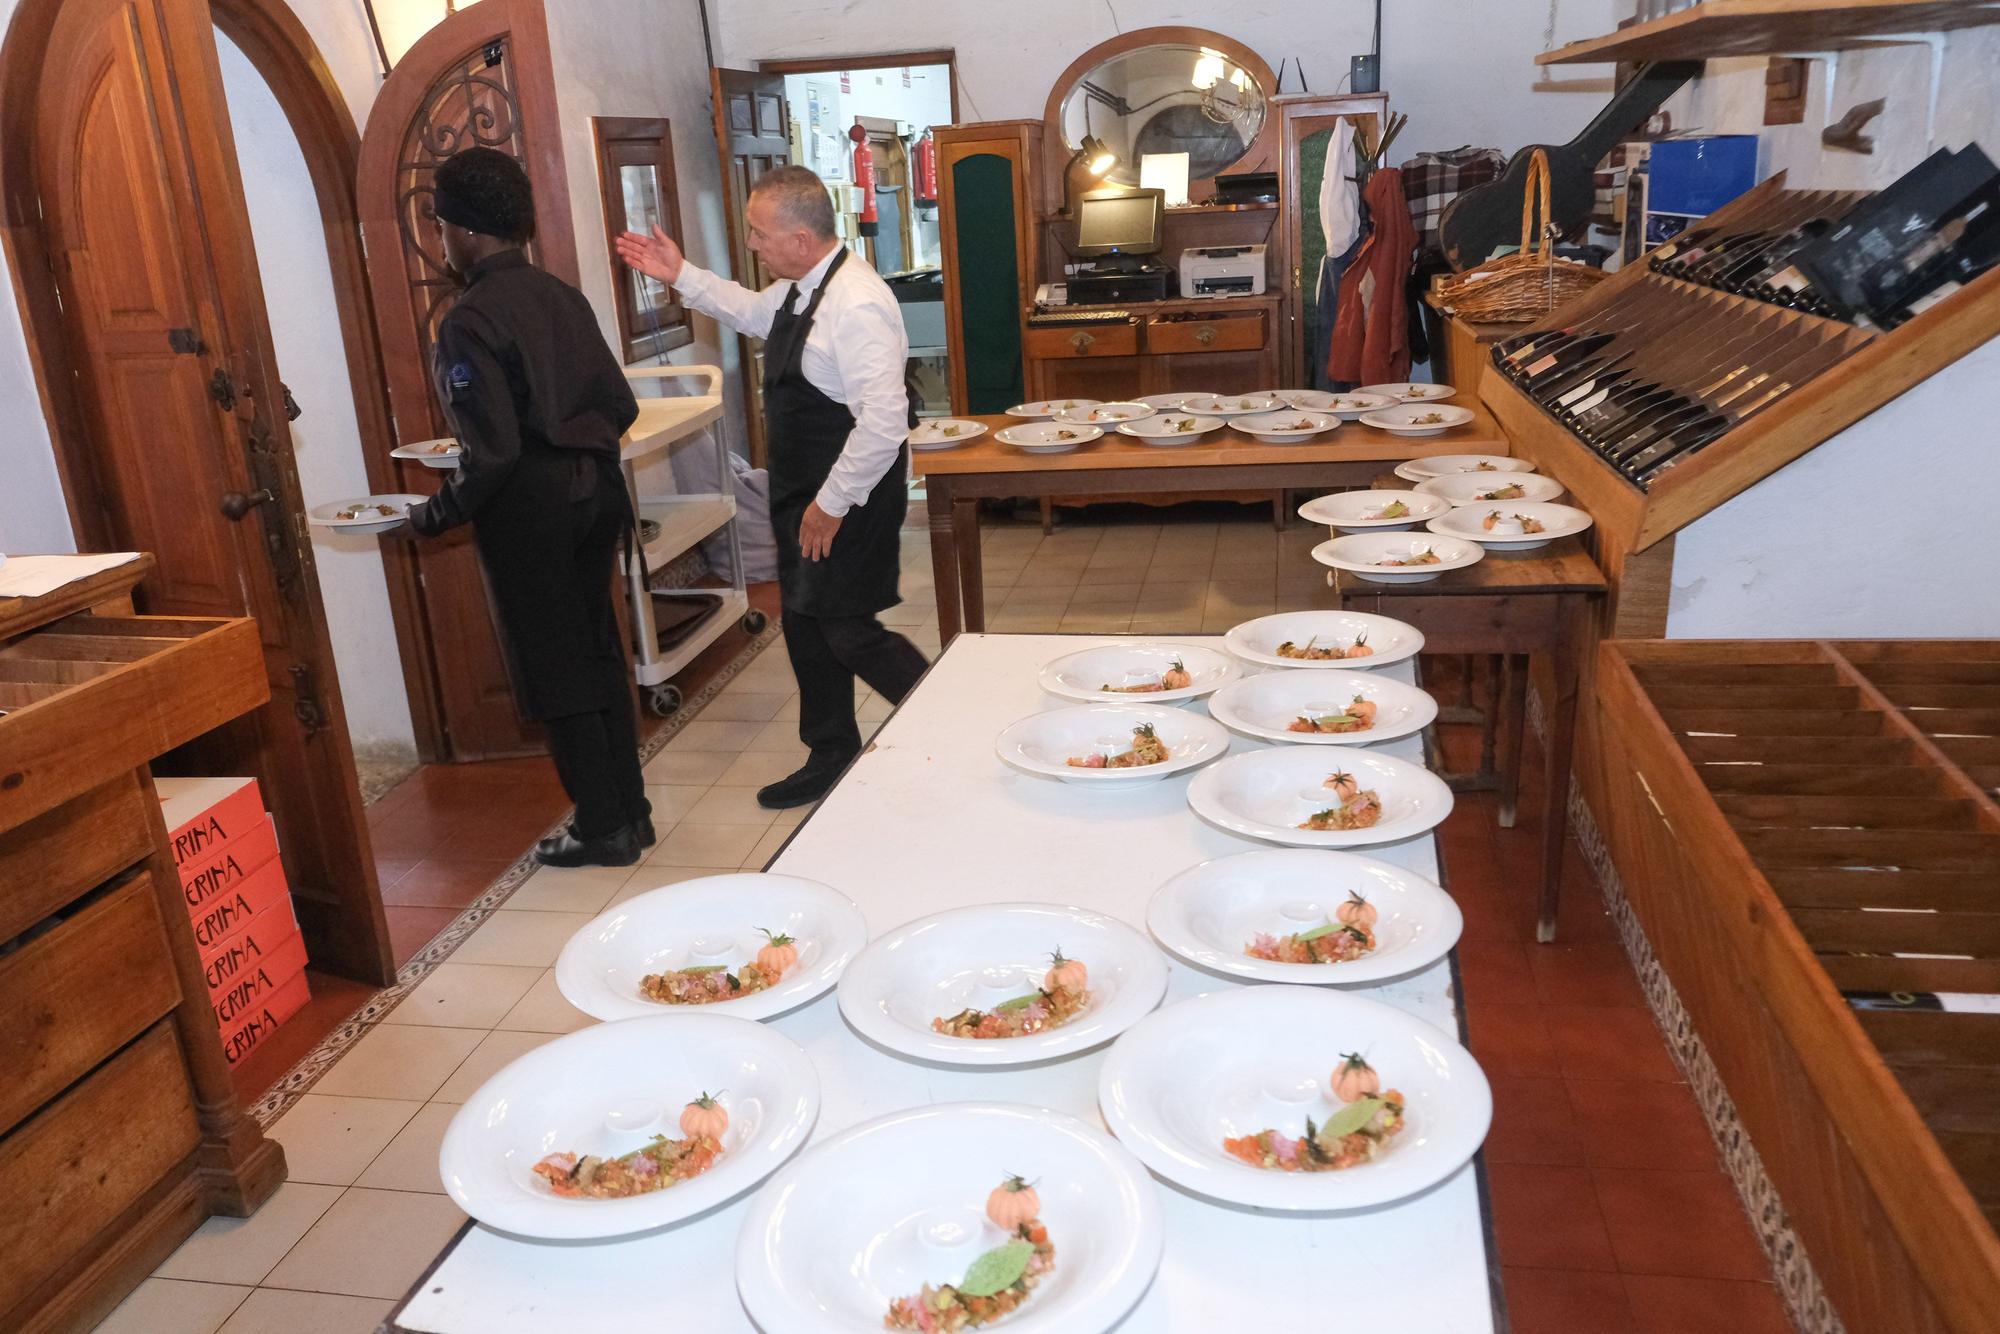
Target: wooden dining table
<point x="957" y="479"/>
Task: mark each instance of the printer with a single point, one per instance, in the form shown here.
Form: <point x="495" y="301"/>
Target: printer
<point x="1222" y="270"/>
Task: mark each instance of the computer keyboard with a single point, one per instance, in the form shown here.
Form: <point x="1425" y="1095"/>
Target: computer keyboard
<point x="1070" y="318"/>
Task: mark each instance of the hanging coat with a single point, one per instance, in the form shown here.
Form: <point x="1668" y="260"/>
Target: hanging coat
<point x="1371" y="334"/>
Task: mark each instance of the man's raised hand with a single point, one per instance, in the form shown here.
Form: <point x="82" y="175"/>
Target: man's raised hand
<point x="656" y="256"/>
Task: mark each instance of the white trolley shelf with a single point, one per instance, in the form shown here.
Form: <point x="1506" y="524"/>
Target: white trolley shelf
<point x="685" y="521"/>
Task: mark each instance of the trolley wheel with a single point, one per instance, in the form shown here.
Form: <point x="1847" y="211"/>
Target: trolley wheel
<point x="754" y="622"/>
<point x="662" y="700"/>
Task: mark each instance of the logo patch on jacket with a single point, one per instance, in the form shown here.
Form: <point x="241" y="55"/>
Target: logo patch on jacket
<point x="459" y="376"/>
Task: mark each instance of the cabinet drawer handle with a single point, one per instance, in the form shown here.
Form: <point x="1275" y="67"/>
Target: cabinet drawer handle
<point x="1205" y="334"/>
<point x="1081" y="341"/>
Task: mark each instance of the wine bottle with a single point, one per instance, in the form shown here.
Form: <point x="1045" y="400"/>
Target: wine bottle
<point x="1545" y="390"/>
<point x="1673" y="433"/>
<point x="1567" y="355"/>
<point x="1950" y="1002"/>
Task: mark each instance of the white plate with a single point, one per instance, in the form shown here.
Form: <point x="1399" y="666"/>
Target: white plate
<point x="1266" y="1056"/>
<point x="1347" y="407"/>
<point x="931" y="434"/>
<point x="1161" y="429"/>
<point x="1232" y="405"/>
<point x="1106" y="413"/>
<point x="607" y="1090"/>
<point x="1049" y="407"/>
<point x="1257" y="641"/>
<point x="322" y="515"/>
<point x="1041" y="742"/>
<point x="1348" y="511"/>
<point x="1083" y="675"/>
<point x="1047" y="437"/>
<point x="877" y="1211"/>
<point x="1362" y="554"/>
<point x="1262" y="706"/>
<point x="1168" y="402"/>
<point x="1411" y="418"/>
<point x="1267" y="793"/>
<point x="1208" y="913"/>
<point x="426" y="453"/>
<point x="1280" y="427"/>
<point x="1469" y="521"/>
<point x="1465" y="488"/>
<point x="1407" y="392"/>
<point x="1444" y="465"/>
<point x="712" y="920"/>
<point x="976" y="958"/>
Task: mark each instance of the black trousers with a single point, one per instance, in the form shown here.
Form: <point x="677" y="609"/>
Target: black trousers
<point x="827" y="653"/>
<point x="597" y="758"/>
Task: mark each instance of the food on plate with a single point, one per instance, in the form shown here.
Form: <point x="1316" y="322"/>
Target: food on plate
<point x="708" y="983"/>
<point x="1180" y="425"/>
<point x="1495" y="522"/>
<point x="1423" y="557"/>
<point x="441" y="447"/>
<point x="1311" y="651"/>
<point x="1511" y="491"/>
<point x="1357" y="911"/>
<point x="1350" y="1137"/>
<point x="995" y="1284"/>
<point x="1484" y="466"/>
<point x="1175" y="677"/>
<point x="366" y="511"/>
<point x="1358" y="809"/>
<point x="1147" y="748"/>
<point x="1358" y="716"/>
<point x="1350" y="405"/>
<point x="1302" y="424"/>
<point x="1063" y="995"/>
<point x="655" y="1166"/>
<point x="1066" y="435"/>
<point x="1418" y="391"/>
<point x="1354" y="1078"/>
<point x="1334" y="942"/>
<point x="948" y="428"/>
<point x="1395" y="509"/>
<point x="1428" y="419"/>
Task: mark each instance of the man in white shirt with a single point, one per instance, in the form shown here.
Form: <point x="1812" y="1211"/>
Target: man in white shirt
<point x="837" y="414"/>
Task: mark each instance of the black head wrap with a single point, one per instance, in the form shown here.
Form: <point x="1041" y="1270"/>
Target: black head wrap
<point x="484" y="190"/>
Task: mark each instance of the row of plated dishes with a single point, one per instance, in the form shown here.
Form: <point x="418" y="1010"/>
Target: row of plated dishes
<point x="574" y="1140"/>
<point x="1276" y="416"/>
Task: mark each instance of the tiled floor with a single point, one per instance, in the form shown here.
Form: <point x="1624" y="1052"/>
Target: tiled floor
<point x="1611" y="1210"/>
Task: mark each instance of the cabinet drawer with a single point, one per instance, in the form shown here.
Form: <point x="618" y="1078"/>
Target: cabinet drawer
<point x="61" y="855"/>
<point x="1236" y="331"/>
<point x="89" y="1156"/>
<point x="1091" y="340"/>
<point x="73" y="995"/>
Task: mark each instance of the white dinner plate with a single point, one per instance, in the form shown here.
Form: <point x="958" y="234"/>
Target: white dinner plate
<point x="1505" y="535"/>
<point x="1286" y="427"/>
<point x="1363" y="555"/>
<point x="1347" y="407"/>
<point x="1049" y="407"/>
<point x="1267" y="794"/>
<point x="1106" y="414"/>
<point x="322" y="515"/>
<point x="1417" y="418"/>
<point x="1168" y="402"/>
<point x="607" y="1090"/>
<point x="1360" y="511"/>
<point x="945" y="432"/>
<point x="979" y="958"/>
<point x="1042" y="743"/>
<point x="1047" y="437"/>
<point x="428" y="453"/>
<point x="1169" y="428"/>
<point x="1444" y="465"/>
<point x="1232" y="405"/>
<point x="874" y="1213"/>
<point x="1258" y="641"/>
<point x="1266" y="1057"/>
<point x="1209" y="914"/>
<point x="1084" y="675"/>
<point x="1406" y="392"/>
<point x="1472" y="488"/>
<point x="715" y="920"/>
<point x="1264" y="705"/>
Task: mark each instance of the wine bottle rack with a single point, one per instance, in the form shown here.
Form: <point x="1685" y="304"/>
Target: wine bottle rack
<point x="1741" y="255"/>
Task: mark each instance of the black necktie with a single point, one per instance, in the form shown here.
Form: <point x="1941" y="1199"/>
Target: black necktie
<point x="791" y="306"/>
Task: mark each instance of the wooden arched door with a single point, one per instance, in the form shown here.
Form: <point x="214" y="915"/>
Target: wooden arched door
<point x="480" y="78"/>
<point x="170" y="412"/>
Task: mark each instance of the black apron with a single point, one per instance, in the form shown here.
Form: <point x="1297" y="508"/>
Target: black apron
<point x="806" y="431"/>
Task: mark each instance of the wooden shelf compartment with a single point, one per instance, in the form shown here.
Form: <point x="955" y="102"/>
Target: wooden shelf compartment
<point x="1717" y="28"/>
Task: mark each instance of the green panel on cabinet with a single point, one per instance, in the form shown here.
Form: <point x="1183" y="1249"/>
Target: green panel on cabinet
<point x="988" y="278"/>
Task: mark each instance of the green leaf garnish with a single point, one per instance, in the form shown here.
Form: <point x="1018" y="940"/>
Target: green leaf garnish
<point x="1317" y="932"/>
<point x="998" y="1269"/>
<point x="1338" y="718"/>
<point x="1352" y="1117"/>
<point x="1019" y="1002"/>
<point x="706" y="968"/>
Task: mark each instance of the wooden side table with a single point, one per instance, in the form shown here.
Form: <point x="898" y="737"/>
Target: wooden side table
<point x="1539" y="601"/>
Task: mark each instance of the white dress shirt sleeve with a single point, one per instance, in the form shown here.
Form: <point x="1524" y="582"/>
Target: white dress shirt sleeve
<point x="735" y="305"/>
<point x="870" y="348"/>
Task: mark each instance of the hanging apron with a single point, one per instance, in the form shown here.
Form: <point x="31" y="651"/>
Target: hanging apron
<point x="806" y="431"/>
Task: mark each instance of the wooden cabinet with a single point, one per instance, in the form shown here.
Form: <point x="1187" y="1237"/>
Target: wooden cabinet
<point x="1305" y="123"/>
<point x="119" y="1129"/>
<point x="988" y="201"/>
<point x="1226" y="346"/>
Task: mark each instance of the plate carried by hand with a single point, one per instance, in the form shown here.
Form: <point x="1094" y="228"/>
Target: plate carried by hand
<point x="1044" y="743"/>
<point x="1398" y="558"/>
<point x="716" y="923"/>
<point x="1504" y="524"/>
<point x="1263" y="640"/>
<point x="441" y="454"/>
<point x="1417" y="419"/>
<point x="1212" y="913"/>
<point x="874" y="1214"/>
<point x="1047" y="437"/>
<point x="1273" y="706"/>
<point x="1406" y="392"/>
<point x="1363" y="511"/>
<point x="945" y="432"/>
<point x="365" y="515"/>
<point x="1444" y="465"/>
<point x="1269" y="794"/>
<point x="1168" y="428"/>
<point x="1049" y="407"/>
<point x="1122" y="673"/>
<point x="1488" y="488"/>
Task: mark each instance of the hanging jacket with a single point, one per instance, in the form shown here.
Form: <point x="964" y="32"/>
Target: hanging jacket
<point x="1371" y="333"/>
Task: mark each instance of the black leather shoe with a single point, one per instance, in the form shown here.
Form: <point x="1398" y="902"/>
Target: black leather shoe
<point x="801" y="789"/>
<point x="647" y="838"/>
<point x="566" y="849"/>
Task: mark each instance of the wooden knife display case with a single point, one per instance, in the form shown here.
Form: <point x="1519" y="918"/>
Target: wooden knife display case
<point x="1807" y="834"/>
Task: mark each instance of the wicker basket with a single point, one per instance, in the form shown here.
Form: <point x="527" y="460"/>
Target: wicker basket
<point x="1525" y="285"/>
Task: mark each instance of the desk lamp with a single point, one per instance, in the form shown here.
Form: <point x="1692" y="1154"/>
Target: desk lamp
<point x="1086" y="167"/>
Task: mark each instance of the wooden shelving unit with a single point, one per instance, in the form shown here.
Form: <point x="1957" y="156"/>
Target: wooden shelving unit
<point x="1772" y="27"/>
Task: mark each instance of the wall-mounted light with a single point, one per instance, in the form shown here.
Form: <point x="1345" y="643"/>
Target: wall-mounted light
<point x="1208" y="69"/>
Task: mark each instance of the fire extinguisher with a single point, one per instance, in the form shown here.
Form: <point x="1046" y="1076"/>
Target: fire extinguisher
<point x="926" y="171"/>
<point x="864" y="180"/>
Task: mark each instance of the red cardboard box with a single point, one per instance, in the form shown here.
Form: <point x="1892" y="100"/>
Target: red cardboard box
<point x="202" y="814"/>
<point x="259" y="1021"/>
<point x="230" y="911"/>
<point x="250" y="987"/>
<point x="206" y="875"/>
<point x="258" y="944"/>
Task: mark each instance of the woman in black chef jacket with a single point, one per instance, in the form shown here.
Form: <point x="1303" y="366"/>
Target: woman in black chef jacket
<point x="538" y="403"/>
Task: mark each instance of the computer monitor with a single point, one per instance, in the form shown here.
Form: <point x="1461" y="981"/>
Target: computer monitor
<point x="1120" y="222"/>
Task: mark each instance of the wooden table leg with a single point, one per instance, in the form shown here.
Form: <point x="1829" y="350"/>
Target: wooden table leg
<point x="1511" y="703"/>
<point x="944" y="557"/>
<point x="1567" y="659"/>
<point x="971" y="567"/>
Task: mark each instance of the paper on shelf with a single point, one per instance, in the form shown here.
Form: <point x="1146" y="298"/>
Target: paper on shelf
<point x="35" y="576"/>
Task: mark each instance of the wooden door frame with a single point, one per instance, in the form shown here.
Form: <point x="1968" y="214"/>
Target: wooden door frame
<point x="945" y="56"/>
